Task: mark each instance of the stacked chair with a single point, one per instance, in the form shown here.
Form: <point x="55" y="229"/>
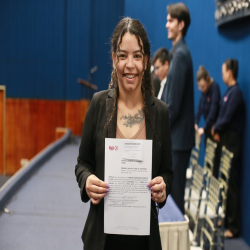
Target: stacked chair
<point x="208" y="163"/>
<point x="210" y="231"/>
<point x="208" y="166"/>
<point x="194" y="157"/>
<point x="197" y="140"/>
<point x="194" y="188"/>
<point x="224" y="174"/>
<point x="223" y="179"/>
<point x="206" y="196"/>
<point x="209" y="156"/>
<point x="193" y="202"/>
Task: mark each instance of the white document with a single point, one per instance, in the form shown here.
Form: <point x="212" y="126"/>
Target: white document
<point x="128" y="170"/>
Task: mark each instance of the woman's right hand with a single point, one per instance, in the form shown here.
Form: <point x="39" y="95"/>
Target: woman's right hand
<point x="96" y="189"/>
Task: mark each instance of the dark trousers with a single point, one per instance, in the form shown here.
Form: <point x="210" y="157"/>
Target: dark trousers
<point x="207" y="134"/>
<point x="180" y="163"/>
<point x="230" y="140"/>
<point x="126" y="242"/>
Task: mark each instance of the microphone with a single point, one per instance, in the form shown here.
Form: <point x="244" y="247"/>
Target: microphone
<point x="93" y="70"/>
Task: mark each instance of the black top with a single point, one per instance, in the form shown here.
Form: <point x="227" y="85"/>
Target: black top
<point x="230" y="115"/>
<point x="209" y="106"/>
<point x="91" y="160"/>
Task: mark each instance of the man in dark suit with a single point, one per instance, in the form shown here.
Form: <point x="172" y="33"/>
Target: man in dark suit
<point x="178" y="96"/>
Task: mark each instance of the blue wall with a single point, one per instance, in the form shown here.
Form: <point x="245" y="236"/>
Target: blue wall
<point x="47" y="45"/>
<point x="105" y="16"/>
<point x="77" y="44"/>
<point x="32" y="48"/>
<point x="210" y="47"/>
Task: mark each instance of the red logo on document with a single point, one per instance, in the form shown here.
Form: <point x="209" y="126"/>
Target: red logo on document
<point x="225" y="99"/>
<point x="111" y="148"/>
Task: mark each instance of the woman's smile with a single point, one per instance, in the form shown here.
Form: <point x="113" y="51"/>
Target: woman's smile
<point x="130" y="77"/>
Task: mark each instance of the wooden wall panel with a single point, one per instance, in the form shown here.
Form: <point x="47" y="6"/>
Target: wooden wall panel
<point x="1" y="133"/>
<point x="75" y="115"/>
<point x="50" y="114"/>
<point x="31" y="126"/>
<point x="2" y="129"/>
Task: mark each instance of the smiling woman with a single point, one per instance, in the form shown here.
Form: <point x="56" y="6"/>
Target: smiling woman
<point x="127" y="110"/>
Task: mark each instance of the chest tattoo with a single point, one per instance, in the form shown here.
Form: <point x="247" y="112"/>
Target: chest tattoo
<point x="131" y="120"/>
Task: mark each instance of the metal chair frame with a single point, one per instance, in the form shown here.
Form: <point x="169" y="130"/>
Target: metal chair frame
<point x="213" y="202"/>
<point x="193" y="160"/>
<point x="224" y="175"/>
<point x="209" y="156"/>
<point x="197" y="141"/>
<point x="196" y="187"/>
<point x="195" y="153"/>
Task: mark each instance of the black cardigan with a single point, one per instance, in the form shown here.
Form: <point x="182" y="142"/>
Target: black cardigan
<point x="91" y="160"/>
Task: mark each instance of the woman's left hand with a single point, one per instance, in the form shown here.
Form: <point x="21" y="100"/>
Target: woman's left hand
<point x="158" y="189"/>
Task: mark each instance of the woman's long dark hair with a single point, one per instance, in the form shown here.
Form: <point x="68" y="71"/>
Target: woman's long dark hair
<point x="134" y="27"/>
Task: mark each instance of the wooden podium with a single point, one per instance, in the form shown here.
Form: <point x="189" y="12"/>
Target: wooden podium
<point x="2" y="128"/>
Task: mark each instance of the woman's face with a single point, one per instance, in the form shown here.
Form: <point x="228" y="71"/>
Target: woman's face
<point x="129" y="64"/>
<point x="203" y="85"/>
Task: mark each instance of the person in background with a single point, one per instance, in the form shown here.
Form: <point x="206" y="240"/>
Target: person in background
<point x="155" y="82"/>
<point x="209" y="102"/>
<point x="179" y="97"/>
<point x="128" y="110"/>
<point x="161" y="65"/>
<point x="226" y="133"/>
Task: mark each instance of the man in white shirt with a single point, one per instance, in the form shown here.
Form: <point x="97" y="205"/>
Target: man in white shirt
<point x="161" y="64"/>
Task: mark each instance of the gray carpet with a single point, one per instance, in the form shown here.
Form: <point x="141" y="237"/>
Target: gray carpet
<point x="46" y="213"/>
<point x="236" y="244"/>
